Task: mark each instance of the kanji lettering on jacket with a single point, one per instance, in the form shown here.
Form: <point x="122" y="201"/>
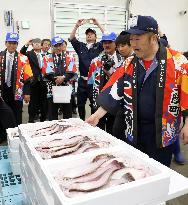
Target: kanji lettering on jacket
<point x="171" y="96"/>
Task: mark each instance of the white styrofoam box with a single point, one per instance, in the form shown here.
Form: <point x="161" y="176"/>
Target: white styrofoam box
<point x="25" y="199"/>
<point x="33" y="194"/>
<point x="34" y="158"/>
<point x="134" y="193"/>
<point x="26" y="154"/>
<point x="14" y="156"/>
<point x="37" y="163"/>
<point x="154" y="202"/>
<point x="27" y="184"/>
<point x="94" y="133"/>
<point x="27" y="130"/>
<point x="13" y="138"/>
<point x="16" y="168"/>
<point x="32" y="183"/>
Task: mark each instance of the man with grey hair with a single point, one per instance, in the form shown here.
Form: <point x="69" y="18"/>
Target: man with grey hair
<point x="38" y="100"/>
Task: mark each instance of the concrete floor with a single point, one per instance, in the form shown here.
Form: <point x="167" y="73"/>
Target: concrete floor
<point x="182" y="169"/>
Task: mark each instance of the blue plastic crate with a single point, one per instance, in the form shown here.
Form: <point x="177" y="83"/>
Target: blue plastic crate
<point x="10" y="184"/>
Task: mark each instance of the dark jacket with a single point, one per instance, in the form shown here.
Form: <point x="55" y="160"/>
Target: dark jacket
<point x="21" y="76"/>
<point x="85" y="55"/>
<point x="33" y="61"/>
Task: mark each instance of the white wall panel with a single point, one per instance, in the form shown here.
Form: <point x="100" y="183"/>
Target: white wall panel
<point x="170" y="21"/>
<point x="98" y="2"/>
<point x="66" y="14"/>
<point x="37" y="12"/>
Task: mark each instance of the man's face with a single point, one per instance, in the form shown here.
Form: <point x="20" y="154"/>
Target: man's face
<point x="124" y="50"/>
<point x="109" y="47"/>
<point x="46" y="46"/>
<point x="91" y="37"/>
<point x="11" y="46"/>
<point x="64" y="47"/>
<point x="36" y="46"/>
<point x="58" y="48"/>
<point x="142" y="44"/>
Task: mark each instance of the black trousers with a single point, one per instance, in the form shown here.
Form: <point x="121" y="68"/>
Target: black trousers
<point x="73" y="96"/>
<point x="119" y="125"/>
<point x="73" y="101"/>
<point x="38" y="101"/>
<point x="7" y="118"/>
<point x="83" y="93"/>
<point x="15" y="105"/>
<point x="53" y="109"/>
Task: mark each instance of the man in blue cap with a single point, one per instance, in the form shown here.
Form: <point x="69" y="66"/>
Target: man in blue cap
<point x="16" y="74"/>
<point x="101" y="68"/>
<point x="152" y="89"/>
<point x="59" y="68"/>
<point x="86" y="52"/>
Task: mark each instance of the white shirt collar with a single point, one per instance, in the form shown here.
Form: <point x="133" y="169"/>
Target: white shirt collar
<point x="37" y="53"/>
<point x="89" y="45"/>
<point x="10" y="53"/>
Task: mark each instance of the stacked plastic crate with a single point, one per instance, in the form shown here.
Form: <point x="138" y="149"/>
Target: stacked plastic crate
<point x="13" y="145"/>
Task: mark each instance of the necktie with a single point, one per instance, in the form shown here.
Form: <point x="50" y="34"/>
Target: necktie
<point x="9" y="70"/>
<point x="39" y="61"/>
<point x="58" y="66"/>
<point x="59" y="59"/>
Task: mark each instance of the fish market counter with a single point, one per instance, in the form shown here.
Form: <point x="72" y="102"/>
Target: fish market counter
<point x="68" y="162"/>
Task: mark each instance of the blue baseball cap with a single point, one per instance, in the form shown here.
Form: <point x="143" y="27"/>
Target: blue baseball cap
<point x="56" y="40"/>
<point x="142" y="24"/>
<point x="12" y="37"/>
<point x="109" y="37"/>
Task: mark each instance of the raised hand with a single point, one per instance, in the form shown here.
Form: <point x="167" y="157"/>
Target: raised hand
<point x="80" y="22"/>
<point x="95" y="22"/>
<point x="29" y="42"/>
